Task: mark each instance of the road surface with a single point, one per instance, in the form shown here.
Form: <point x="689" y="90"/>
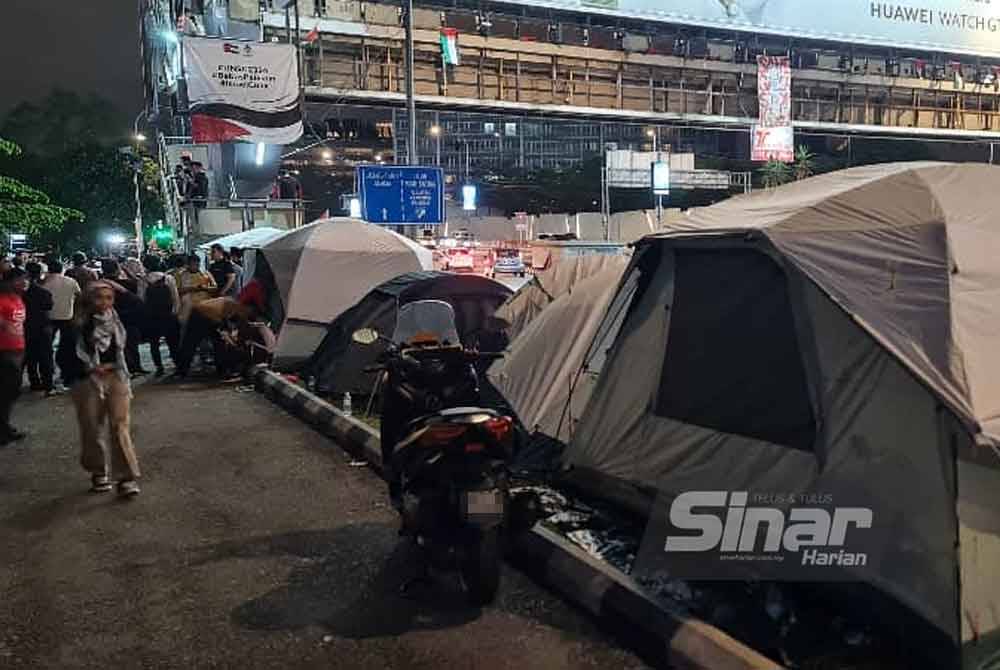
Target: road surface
<point x="255" y="544"/>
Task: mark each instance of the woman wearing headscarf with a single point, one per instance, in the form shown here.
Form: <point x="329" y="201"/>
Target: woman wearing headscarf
<point x="92" y="359"/>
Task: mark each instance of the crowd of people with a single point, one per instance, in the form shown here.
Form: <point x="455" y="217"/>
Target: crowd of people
<point x="90" y="324"/>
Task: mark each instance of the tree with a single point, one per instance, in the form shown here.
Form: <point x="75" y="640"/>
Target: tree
<point x="72" y="154"/>
<point x="774" y="173"/>
<point x="804" y="163"/>
<point x="98" y="180"/>
<point x="25" y="209"/>
<point x="62" y="120"/>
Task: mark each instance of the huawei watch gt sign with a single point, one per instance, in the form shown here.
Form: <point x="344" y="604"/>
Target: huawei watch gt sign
<point x="733" y="534"/>
<point x="953" y="26"/>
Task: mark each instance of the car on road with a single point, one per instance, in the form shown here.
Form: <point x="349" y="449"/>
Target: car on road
<point x="460" y="259"/>
<point x="426" y="239"/>
<point x="508" y="261"/>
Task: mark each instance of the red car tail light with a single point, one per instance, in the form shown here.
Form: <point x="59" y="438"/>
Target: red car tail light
<point x="499" y="427"/>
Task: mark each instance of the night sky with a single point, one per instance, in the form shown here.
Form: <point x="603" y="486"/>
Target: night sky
<point x="82" y="45"/>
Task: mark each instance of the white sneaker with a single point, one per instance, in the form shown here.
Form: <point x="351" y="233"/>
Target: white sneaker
<point x="128" y="488"/>
<point x="100" y="484"/>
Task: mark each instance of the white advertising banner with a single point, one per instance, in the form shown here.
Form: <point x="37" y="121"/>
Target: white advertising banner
<point x="242" y="91"/>
<point x="954" y="26"/>
<point x="772" y="144"/>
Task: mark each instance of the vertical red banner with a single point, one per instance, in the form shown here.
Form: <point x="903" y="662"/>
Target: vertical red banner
<point x="772" y="138"/>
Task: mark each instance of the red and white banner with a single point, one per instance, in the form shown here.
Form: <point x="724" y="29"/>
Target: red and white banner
<point x="242" y="91"/>
<point x="772" y="138"/>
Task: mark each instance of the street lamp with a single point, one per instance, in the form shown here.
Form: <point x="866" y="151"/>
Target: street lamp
<point x="139" y="137"/>
<point x="658" y="171"/>
<point x="435" y="132"/>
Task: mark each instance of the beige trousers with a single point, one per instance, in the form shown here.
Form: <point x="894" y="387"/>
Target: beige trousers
<point x="100" y="401"/>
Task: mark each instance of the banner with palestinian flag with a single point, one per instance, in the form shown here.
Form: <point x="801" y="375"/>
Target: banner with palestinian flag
<point x="449" y="46"/>
<point x="242" y="91"/>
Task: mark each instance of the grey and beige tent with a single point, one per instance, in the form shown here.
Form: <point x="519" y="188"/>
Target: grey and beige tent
<point x="840" y="337"/>
<point x="317" y="272"/>
<point x="247" y="239"/>
<point x="542" y="375"/>
<point x="558" y="279"/>
<point x="338" y="364"/>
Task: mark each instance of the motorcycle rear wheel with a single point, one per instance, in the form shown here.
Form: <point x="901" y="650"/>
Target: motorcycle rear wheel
<point x="480" y="568"/>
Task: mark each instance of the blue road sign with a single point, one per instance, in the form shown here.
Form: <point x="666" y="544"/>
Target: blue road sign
<point x="401" y="195"/>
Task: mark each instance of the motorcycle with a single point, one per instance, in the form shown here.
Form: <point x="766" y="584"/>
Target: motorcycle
<point x="446" y="457"/>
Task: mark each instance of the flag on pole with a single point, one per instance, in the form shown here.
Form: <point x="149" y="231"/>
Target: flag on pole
<point x="312" y="35"/>
<point x="449" y="46"/>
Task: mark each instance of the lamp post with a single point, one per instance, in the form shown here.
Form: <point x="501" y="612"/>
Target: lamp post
<point x="435" y="132"/>
<point x="411" y="107"/>
<point x="138" y="138"/>
<point x="653" y="133"/>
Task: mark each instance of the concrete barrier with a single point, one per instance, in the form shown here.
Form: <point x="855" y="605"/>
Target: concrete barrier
<point x="665" y="636"/>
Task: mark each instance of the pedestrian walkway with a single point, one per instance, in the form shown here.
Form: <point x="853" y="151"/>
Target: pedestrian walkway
<point x="254" y="544"/>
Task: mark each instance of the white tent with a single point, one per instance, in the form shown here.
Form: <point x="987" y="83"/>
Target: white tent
<point x="548" y="285"/>
<point x="543" y="374"/>
<point x="253" y="238"/>
<point x="837" y="335"/>
<point x="324" y="268"/>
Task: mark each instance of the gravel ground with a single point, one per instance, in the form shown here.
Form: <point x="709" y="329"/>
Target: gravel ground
<point x="254" y="544"/>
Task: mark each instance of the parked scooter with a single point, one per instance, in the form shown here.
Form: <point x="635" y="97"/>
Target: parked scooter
<point x="445" y="457"/>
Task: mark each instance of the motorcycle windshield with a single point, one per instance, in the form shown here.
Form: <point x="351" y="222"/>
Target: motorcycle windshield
<point x="426" y="322"/>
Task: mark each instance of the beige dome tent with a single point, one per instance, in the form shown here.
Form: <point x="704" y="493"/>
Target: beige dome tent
<point x="322" y="269"/>
<point x="543" y="374"/>
<point x="529" y="301"/>
<point x="835" y="340"/>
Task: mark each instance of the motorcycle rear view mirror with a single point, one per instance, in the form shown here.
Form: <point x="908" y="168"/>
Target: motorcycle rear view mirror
<point x="365" y="336"/>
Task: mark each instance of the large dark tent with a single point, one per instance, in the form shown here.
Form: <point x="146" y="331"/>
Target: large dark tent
<point x="338" y="364"/>
<point x="829" y="347"/>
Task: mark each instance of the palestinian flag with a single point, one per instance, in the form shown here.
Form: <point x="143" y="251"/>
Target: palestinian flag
<point x="311" y="36"/>
<point x="242" y="91"/>
<point x="449" y="46"/>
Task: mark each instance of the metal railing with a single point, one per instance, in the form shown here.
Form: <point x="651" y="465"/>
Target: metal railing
<point x="168" y="188"/>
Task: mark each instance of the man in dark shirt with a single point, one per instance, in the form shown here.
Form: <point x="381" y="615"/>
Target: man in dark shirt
<point x="198" y="192"/>
<point x="223" y="272"/>
<point x="80" y="272"/>
<point x="38" y="332"/>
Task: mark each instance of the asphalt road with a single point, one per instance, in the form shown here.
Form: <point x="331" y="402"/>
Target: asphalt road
<point x="254" y="544"/>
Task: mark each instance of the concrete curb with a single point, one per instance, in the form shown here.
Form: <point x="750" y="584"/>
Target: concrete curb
<point x="607" y="594"/>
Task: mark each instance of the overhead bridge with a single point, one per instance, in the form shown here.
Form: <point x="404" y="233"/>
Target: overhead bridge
<point x="358" y="58"/>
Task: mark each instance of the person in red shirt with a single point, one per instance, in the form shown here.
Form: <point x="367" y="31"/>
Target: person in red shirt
<point x="12" y="315"/>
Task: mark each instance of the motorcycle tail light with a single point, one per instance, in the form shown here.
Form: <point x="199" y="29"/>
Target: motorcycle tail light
<point x="475" y="447"/>
<point x="499" y="427"/>
<point x="442" y="432"/>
